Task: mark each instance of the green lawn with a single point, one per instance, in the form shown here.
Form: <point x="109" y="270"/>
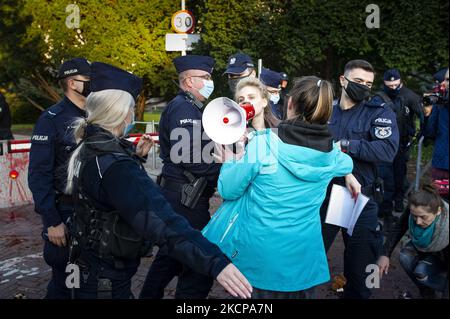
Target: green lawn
<point x="153" y="116"/>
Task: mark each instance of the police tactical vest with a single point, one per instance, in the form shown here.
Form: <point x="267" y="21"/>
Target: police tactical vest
<point x="95" y="227"/>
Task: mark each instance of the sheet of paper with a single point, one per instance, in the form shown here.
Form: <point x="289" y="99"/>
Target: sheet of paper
<point x="343" y="210"/>
<point x="340" y="207"/>
<point x="361" y="202"/>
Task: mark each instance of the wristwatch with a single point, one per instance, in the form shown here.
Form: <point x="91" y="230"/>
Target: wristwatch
<point x="344" y="145"/>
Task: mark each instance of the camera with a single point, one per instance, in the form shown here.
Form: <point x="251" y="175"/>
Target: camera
<point x="436" y="96"/>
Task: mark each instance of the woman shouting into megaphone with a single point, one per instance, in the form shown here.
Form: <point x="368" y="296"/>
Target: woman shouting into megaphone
<point x="269" y="224"/>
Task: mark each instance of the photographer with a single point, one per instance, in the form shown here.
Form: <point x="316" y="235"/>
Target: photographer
<point x="437" y="129"/>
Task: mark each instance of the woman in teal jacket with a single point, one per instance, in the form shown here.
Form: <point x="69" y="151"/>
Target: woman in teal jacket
<point x="269" y="223"/>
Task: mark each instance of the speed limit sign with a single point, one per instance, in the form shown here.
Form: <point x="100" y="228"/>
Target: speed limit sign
<point x="183" y="21"/>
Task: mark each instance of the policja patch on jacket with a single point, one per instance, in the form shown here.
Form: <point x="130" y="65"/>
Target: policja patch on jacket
<point x="383" y="132"/>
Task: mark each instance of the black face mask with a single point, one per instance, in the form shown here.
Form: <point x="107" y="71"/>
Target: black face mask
<point x="86" y="88"/>
<point x="357" y="92"/>
<point x="393" y="93"/>
<point x="232" y="83"/>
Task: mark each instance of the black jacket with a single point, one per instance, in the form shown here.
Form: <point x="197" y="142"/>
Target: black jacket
<point x="114" y="181"/>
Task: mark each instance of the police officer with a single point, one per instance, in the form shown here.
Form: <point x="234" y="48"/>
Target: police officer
<point x="406" y="105"/>
<point x="367" y="131"/>
<point x="52" y="143"/>
<point x="5" y="120"/>
<point x="273" y="80"/>
<point x="186" y="160"/>
<point x="240" y="66"/>
<point x="120" y="212"/>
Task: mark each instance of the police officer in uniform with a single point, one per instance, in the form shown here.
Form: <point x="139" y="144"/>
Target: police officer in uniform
<point x="5" y="120"/>
<point x="367" y="131"/>
<point x="406" y="105"/>
<point x="273" y="80"/>
<point x="240" y="66"/>
<point x="119" y="211"/>
<point x="52" y="143"/>
<point x="187" y="160"/>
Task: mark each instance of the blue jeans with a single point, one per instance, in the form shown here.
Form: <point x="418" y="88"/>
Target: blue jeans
<point x="424" y="269"/>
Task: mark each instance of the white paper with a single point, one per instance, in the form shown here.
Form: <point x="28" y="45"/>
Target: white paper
<point x="343" y="210"/>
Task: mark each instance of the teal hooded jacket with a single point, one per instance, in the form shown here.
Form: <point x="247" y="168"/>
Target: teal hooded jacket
<point x="269" y="224"/>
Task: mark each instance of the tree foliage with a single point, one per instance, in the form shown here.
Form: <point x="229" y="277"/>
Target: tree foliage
<point x="298" y="37"/>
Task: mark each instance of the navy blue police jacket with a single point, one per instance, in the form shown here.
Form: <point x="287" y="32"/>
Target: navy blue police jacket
<point x="117" y="182"/>
<point x="52" y="143"/>
<point x="371" y="128"/>
<point x="181" y="133"/>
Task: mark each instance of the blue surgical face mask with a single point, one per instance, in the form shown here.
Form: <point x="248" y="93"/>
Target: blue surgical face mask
<point x="207" y="89"/>
<point x="275" y="98"/>
<point x="129" y="127"/>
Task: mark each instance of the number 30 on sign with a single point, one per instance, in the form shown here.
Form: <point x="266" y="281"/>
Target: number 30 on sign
<point x="183" y="21"/>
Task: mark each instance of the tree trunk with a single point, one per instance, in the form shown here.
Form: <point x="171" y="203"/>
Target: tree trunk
<point x="47" y="89"/>
<point x="39" y="107"/>
<point x="140" y="105"/>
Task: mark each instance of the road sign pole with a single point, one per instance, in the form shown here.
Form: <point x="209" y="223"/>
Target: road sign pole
<point x="183" y="7"/>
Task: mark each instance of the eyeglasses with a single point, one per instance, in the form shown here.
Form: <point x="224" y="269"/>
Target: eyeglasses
<point x="205" y="77"/>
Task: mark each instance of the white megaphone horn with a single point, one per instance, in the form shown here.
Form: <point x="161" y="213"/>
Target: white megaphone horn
<point x="225" y="121"/>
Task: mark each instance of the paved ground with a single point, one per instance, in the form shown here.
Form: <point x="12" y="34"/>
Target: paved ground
<point x="23" y="270"/>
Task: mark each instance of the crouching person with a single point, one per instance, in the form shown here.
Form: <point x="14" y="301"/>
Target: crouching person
<point x="119" y="211"/>
<point x="425" y="256"/>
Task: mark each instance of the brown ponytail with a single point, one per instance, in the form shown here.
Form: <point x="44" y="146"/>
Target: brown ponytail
<point x="312" y="99"/>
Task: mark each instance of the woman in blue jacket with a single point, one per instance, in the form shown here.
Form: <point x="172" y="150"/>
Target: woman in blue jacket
<point x="269" y="224"/>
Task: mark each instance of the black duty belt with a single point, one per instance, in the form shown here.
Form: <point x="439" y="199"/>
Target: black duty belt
<point x="171" y="185"/>
<point x="177" y="186"/>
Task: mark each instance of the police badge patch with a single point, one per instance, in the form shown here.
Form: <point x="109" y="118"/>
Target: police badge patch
<point x="383" y="132"/>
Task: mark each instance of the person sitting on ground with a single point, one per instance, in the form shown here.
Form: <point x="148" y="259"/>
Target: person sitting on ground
<point x="425" y="256"/>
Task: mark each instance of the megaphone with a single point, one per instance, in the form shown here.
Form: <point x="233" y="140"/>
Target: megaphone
<point x="225" y="121"/>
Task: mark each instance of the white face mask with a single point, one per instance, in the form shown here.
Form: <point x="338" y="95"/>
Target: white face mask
<point x="275" y="98"/>
<point x="207" y="89"/>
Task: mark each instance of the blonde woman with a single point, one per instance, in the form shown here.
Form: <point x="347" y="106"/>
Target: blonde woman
<point x="269" y="224"/>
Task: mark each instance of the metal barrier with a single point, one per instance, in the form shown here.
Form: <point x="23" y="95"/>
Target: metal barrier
<point x="151" y="128"/>
<point x="14" y="160"/>
<point x="419" y="170"/>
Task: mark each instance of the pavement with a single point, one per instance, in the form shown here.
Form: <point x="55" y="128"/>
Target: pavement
<point x="24" y="274"/>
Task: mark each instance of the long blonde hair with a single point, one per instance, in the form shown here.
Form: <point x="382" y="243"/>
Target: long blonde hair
<point x="107" y="109"/>
<point x="270" y="120"/>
